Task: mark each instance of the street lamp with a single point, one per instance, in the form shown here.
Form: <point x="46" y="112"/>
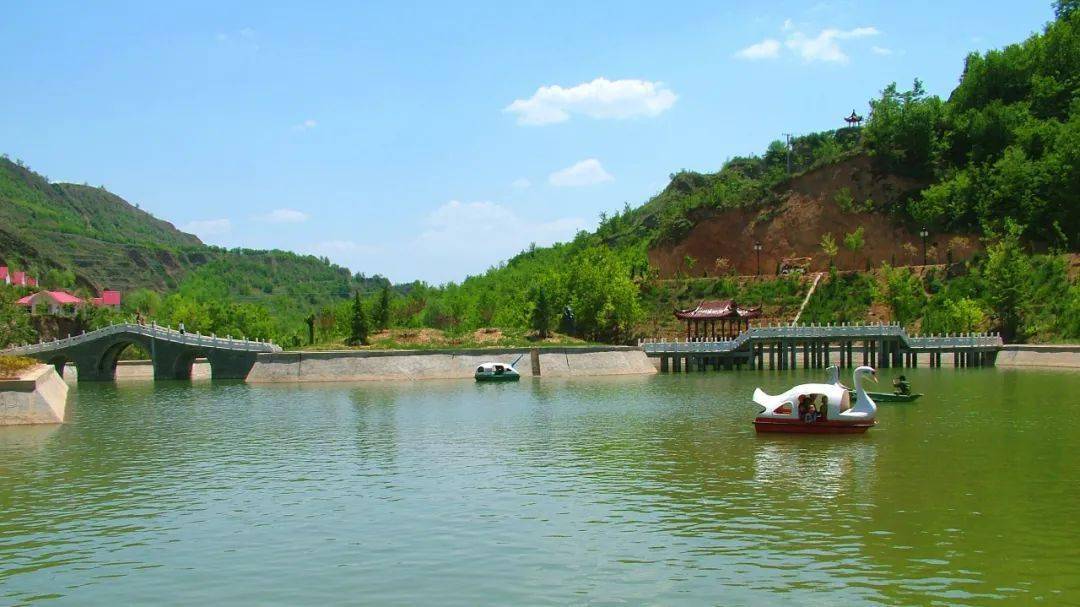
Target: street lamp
<point x="757" y="249"/>
<point x="924" y="233"/>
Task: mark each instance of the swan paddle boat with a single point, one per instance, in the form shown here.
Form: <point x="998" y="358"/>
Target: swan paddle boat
<point x="819" y="408"/>
<point x="496" y="372"/>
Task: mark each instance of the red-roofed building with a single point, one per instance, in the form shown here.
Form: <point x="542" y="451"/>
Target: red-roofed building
<point x="18" y="279"/>
<point x="710" y="315"/>
<point x="5" y="275"/>
<point x="57" y="303"/>
<point x="108" y="299"/>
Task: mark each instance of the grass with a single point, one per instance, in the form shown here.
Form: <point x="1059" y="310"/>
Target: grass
<point x="13" y="366"/>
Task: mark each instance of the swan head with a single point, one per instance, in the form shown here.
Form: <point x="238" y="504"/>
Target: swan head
<point x="868" y="371"/>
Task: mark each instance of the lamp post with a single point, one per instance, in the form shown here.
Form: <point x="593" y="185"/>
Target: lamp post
<point x="924" y="233"/>
<point x="757" y="249"/>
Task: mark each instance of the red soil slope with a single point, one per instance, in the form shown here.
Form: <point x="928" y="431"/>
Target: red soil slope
<point x="806" y="212"/>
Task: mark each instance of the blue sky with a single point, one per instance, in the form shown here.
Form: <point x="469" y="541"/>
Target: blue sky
<point x="432" y="140"/>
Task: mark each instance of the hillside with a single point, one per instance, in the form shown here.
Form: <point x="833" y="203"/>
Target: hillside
<point x="101" y="241"/>
<point x="992" y="173"/>
<point x="105" y="241"/>
<point x="837" y="198"/>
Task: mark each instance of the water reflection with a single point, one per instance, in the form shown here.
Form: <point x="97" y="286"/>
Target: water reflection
<point x="633" y="490"/>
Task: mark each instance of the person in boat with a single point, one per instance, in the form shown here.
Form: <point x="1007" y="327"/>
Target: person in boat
<point x="804" y="406"/>
<point x="811" y="413"/>
<point x="902" y="385"/>
<point x="823" y="410"/>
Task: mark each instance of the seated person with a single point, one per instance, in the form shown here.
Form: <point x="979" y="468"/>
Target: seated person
<point x="803" y="406"/>
<point x="902" y="386"/>
<point x="811" y="414"/>
<point x="823" y="410"/>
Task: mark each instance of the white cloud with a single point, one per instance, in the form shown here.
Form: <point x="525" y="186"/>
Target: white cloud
<point x="766" y="49"/>
<point x="825" y="45"/>
<point x="208" y="227"/>
<point x="284" y="216"/>
<point x="586" y="172"/>
<point x="468" y="237"/>
<point x="601" y="99"/>
<point x="521" y="184"/>
<point x="306" y="125"/>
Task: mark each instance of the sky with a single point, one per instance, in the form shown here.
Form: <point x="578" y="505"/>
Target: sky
<point x="433" y="140"/>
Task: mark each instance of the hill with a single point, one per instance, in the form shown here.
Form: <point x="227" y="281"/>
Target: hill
<point x="992" y="173"/>
<point x="89" y="239"/>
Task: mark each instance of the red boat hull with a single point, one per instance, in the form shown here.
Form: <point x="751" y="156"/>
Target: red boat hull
<point x="818" y="427"/>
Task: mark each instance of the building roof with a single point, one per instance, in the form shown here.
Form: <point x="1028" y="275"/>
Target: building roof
<point x="711" y="309"/>
<point x="110" y="298"/>
<point x="60" y="297"/>
<point x="3" y="272"/>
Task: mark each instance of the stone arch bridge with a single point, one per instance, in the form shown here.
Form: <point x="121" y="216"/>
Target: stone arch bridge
<point x="95" y="354"/>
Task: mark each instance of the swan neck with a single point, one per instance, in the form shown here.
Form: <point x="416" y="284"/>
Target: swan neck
<point x="860" y="393"/>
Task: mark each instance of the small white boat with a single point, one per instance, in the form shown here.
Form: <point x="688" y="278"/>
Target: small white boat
<point x="496" y="372"/>
<point x="818" y="408"/>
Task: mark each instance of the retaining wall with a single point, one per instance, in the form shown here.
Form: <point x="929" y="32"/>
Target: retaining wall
<point x="1065" y="356"/>
<point x="39" y="396"/>
<point x="446" y="364"/>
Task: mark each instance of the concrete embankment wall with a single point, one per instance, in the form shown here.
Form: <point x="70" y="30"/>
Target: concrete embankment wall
<point x="446" y="364"/>
<point x="1066" y="356"/>
<point x="38" y="396"/>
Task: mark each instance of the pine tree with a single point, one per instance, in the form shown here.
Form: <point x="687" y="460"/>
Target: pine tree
<point x="382" y="310"/>
<point x="358" y="328"/>
<point x="540" y="317"/>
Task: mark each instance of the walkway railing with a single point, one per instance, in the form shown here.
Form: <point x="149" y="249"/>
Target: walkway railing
<point x="153" y="331"/>
<point x="832" y="332"/>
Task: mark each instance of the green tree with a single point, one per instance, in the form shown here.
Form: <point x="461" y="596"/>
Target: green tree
<point x="542" y="314"/>
<point x="904" y="293"/>
<point x="382" y="309"/>
<point x="854" y="241"/>
<point x="828" y="246"/>
<point x="56" y="279"/>
<point x="1006" y="273"/>
<point x="902" y="130"/>
<point x="14" y="319"/>
<point x="358" y="325"/>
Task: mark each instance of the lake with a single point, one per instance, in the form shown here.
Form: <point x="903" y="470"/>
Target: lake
<point x="607" y="491"/>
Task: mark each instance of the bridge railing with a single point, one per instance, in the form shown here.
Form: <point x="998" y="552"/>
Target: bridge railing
<point x="839" y="332"/>
<point x="153" y="331"/>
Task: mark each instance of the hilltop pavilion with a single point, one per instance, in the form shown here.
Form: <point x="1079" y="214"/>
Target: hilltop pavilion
<point x="716" y="319"/>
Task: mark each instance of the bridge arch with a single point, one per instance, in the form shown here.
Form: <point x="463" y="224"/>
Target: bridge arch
<point x="172" y="353"/>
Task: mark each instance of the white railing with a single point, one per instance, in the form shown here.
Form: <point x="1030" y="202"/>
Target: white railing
<point x="838" y="332"/>
<point x="152" y="331"/>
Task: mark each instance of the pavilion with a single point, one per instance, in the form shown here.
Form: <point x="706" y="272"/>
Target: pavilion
<point x="716" y="319"/>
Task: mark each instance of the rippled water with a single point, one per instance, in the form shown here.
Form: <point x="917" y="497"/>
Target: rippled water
<point x="595" y="491"/>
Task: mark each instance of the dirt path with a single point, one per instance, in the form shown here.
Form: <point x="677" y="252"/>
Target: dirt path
<point x="805" y="301"/>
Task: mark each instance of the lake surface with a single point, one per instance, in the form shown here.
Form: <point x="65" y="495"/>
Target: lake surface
<point x="613" y="491"/>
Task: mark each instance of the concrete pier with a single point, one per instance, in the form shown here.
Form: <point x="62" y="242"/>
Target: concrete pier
<point x="37" y="396"/>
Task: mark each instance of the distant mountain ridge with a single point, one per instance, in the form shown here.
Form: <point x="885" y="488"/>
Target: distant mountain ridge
<point x="109" y="243"/>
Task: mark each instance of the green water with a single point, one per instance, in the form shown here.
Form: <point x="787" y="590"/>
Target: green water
<point x="619" y="491"/>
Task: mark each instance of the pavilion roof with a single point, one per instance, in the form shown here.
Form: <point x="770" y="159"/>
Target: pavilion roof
<point x="60" y="297"/>
<point x="710" y="309"/>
